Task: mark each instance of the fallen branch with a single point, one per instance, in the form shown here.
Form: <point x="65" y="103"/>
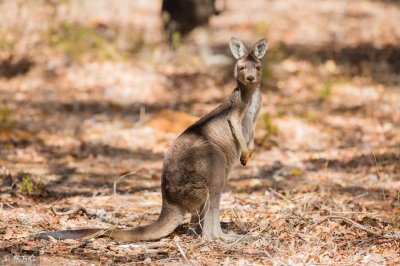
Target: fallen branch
<point x="86" y="240"/>
<point x="357" y="225"/>
<point x="71" y="211"/>
<point x="176" y="240"/>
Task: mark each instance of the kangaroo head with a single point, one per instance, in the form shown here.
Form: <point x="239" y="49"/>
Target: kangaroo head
<point x="248" y="64"/>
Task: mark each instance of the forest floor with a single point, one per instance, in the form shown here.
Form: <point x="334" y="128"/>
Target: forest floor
<point x="91" y="98"/>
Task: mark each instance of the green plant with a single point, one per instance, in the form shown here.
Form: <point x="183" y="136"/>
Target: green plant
<point x="7" y="46"/>
<point x="276" y="53"/>
<point x="309" y="116"/>
<point x="270" y="128"/>
<point x="326" y="90"/>
<point x="261" y="28"/>
<point x="138" y="42"/>
<point x="26" y="185"/>
<point x="265" y="72"/>
<point x="5" y="117"/>
<point x="176" y="39"/>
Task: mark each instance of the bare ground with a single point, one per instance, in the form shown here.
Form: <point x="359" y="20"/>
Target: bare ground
<point x="323" y="187"/>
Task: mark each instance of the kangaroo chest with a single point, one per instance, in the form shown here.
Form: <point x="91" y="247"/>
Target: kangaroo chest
<point x="250" y="116"/>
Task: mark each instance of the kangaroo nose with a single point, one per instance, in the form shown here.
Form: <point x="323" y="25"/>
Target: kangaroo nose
<point x="250" y="78"/>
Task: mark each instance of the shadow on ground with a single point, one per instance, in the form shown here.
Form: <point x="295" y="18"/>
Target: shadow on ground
<point x="364" y="59"/>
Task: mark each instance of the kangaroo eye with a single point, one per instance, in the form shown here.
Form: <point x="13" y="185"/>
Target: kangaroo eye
<point x="258" y="68"/>
<point x="241" y="68"/>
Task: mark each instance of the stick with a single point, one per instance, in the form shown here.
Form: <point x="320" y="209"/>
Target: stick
<point x="121" y="177"/>
<point x="348" y="221"/>
<point x="379" y="176"/>
<point x="238" y="219"/>
<point x="280" y="195"/>
<point x="357" y="225"/>
<point x="176" y="240"/>
<point x="317" y="223"/>
<point x="246" y="235"/>
<point x="71" y="211"/>
<point x="86" y="240"/>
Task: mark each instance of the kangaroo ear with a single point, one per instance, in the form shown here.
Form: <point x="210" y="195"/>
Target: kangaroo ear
<point x="237" y="48"/>
<point x="260" y="48"/>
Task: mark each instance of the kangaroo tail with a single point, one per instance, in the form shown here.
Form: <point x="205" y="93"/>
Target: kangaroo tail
<point x="170" y="217"/>
<point x="69" y="234"/>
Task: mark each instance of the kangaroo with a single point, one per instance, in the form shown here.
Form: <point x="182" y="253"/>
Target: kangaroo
<point x="198" y="163"/>
<point x="184" y="15"/>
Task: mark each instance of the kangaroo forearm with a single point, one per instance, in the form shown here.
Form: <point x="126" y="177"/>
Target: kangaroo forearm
<point x="251" y="143"/>
<point x="242" y="142"/>
<point x="238" y="134"/>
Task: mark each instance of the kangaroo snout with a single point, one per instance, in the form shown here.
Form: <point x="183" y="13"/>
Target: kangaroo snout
<point x="250" y="78"/>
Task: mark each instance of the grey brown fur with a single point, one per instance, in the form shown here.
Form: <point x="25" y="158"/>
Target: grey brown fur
<point x="198" y="163"/>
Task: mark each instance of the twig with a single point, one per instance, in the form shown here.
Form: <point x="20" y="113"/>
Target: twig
<point x="203" y="213"/>
<point x="317" y="223"/>
<point x="142" y="114"/>
<point x="247" y="234"/>
<point x="9" y="205"/>
<point x="379" y="177"/>
<point x="238" y="219"/>
<point x="337" y="212"/>
<point x="358" y="241"/>
<point x="360" y="196"/>
<point x="71" y="211"/>
<point x="348" y="221"/>
<point x="86" y="240"/>
<point x="176" y="240"/>
<point x="121" y="177"/>
<point x="280" y="195"/>
<point x="153" y="245"/>
<point x="239" y="239"/>
<point x="390" y="235"/>
<point x="357" y="225"/>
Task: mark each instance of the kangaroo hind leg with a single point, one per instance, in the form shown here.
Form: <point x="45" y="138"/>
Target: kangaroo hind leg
<point x="212" y="225"/>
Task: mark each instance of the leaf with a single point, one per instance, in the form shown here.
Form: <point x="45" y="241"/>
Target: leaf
<point x="296" y="172"/>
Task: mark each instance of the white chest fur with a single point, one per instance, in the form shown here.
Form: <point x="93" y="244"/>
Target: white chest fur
<point x="250" y="116"/>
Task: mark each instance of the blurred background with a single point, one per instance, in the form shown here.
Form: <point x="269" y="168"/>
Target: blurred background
<point x="92" y="90"/>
